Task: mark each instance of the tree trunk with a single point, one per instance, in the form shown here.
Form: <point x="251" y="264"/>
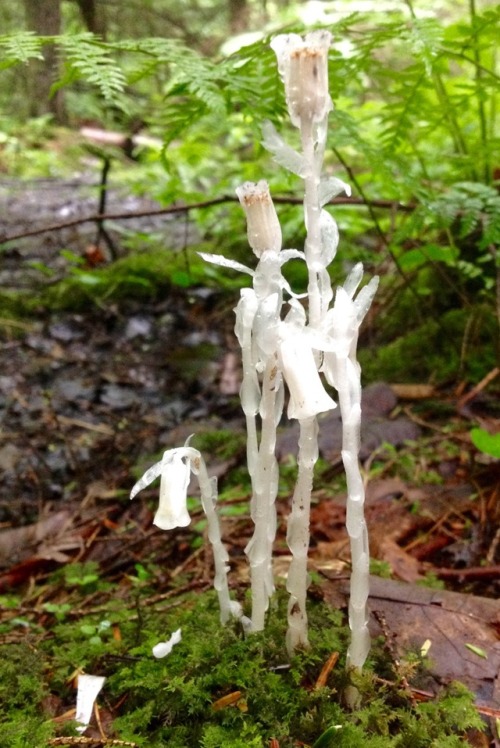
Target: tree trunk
<point x="93" y="15"/>
<point x="239" y="13"/>
<point x="44" y="18"/>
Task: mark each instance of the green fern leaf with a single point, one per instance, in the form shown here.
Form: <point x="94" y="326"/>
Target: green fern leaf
<point x="21" y="47"/>
<point x="90" y="59"/>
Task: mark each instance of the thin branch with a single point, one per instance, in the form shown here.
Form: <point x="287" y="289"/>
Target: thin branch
<point x="172" y="209"/>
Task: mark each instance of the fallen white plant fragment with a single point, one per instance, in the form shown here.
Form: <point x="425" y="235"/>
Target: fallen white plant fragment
<point x="88" y="687"/>
<point x="162" y="649"/>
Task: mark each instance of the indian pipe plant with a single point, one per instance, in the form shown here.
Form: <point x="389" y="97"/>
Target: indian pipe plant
<point x="291" y="347"/>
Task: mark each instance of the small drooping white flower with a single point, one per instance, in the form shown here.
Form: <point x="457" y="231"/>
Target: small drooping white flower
<point x="162" y="649"/>
<point x="172" y="508"/>
<point x="89" y="687"/>
<point x="308" y="396"/>
<point x="263" y="226"/>
<point x="303" y="66"/>
<point x="175" y="471"/>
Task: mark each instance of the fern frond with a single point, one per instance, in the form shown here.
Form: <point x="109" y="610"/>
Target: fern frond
<point x="88" y="58"/>
<point x="20" y="47"/>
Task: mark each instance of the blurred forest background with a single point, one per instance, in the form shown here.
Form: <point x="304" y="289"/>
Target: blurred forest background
<point x="184" y="87"/>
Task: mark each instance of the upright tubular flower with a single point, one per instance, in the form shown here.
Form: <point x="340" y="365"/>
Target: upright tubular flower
<point x="303" y="65"/>
<point x="263" y="226"/>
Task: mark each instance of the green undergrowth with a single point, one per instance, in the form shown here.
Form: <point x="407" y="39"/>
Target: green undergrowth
<point x="144" y="274"/>
<point x="176" y="701"/>
<point x="458" y="344"/>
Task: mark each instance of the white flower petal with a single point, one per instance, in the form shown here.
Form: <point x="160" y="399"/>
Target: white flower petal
<point x="225" y="263"/>
<point x="353" y="280"/>
<point x="283" y="153"/>
<point x="149" y="476"/>
<point x="172" y="510"/>
<point x="330" y="187"/>
<point x="329" y="237"/>
<point x="308" y="396"/>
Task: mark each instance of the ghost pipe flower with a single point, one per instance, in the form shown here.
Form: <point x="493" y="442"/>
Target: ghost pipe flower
<point x="263" y="226"/>
<point x="257" y="323"/>
<point x="175" y="472"/>
<point x="343" y="372"/>
<point x="308" y="398"/>
<point x="175" y="469"/>
<point x="303" y="65"/>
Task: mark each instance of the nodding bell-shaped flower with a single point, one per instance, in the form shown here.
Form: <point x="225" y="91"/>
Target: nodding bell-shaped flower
<point x="308" y="396"/>
<point x="175" y="472"/>
<point x="263" y="226"/>
<point x="303" y="66"/>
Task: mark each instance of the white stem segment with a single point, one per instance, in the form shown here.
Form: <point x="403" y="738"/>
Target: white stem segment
<point x="265" y="478"/>
<point x="344" y="373"/>
<point x="349" y="389"/>
<point x="298" y="536"/>
<point x="303" y="65"/>
<point x="208" y="490"/>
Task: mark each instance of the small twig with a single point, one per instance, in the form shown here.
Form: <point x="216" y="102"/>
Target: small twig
<point x="172" y="209"/>
<point x="472" y="573"/>
<point x="92" y="742"/>
<point x="100" y="428"/>
<point x="103" y="194"/>
<point x="326" y="670"/>
<point x="479" y="387"/>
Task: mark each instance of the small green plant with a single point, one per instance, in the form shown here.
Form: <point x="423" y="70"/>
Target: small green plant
<point x="85" y="575"/>
<point x="485" y="442"/>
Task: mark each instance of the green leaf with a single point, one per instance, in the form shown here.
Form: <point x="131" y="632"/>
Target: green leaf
<point x="328" y="738"/>
<point x="415" y="258"/>
<point x="487" y="443"/>
<point x="477" y="650"/>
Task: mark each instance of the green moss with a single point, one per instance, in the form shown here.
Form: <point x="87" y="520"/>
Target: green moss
<point x="173" y="701"/>
<point x="222" y="443"/>
<point x="461" y="343"/>
<point x="22" y="691"/>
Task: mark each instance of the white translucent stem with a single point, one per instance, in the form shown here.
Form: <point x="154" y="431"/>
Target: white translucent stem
<point x="208" y="490"/>
<point x="313" y="160"/>
<point x="349" y="390"/>
<point x="265" y="489"/>
<point x="298" y="536"/>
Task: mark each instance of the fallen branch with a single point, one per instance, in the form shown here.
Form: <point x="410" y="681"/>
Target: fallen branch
<point x="99" y="218"/>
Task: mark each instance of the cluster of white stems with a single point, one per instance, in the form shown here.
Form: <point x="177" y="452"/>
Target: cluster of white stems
<point x="290" y="350"/>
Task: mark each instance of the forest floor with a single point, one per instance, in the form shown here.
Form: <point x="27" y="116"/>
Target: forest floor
<point x="88" y="400"/>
